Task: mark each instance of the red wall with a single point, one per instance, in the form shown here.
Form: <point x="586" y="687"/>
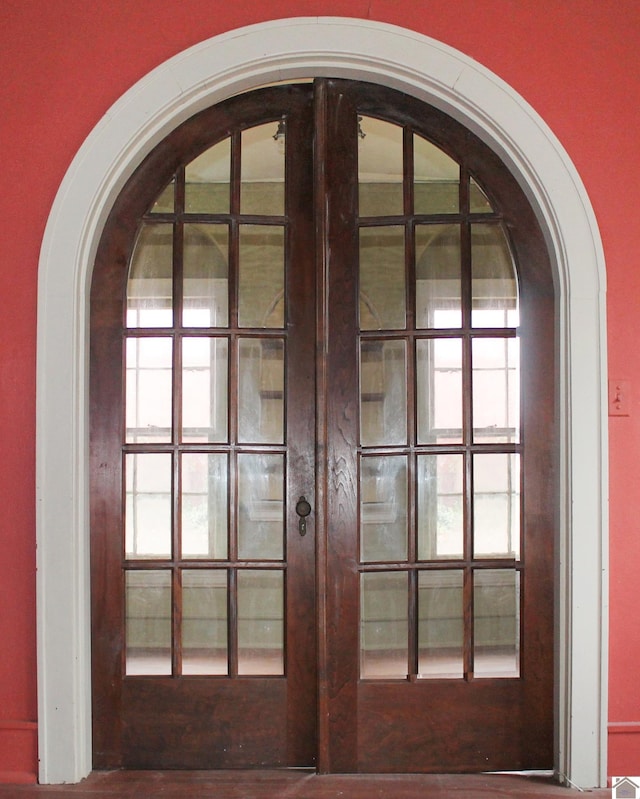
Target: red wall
<point x="64" y="62"/>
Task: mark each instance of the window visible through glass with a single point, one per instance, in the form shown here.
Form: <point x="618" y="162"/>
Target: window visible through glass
<point x="467" y="260"/>
<point x="150" y="283"/>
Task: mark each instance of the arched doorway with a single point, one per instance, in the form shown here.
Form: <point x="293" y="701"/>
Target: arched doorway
<point x="327" y="291"/>
<point x="487" y="106"/>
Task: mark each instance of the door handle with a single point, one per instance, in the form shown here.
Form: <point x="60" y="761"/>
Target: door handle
<point x="303" y="509"/>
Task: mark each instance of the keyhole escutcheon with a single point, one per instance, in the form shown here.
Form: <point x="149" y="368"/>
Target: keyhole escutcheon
<point x="303" y="509"/>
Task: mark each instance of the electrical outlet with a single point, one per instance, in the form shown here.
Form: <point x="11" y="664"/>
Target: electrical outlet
<point x="619" y="398"/>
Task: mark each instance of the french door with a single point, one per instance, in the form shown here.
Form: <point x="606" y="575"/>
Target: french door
<point x="322" y="448"/>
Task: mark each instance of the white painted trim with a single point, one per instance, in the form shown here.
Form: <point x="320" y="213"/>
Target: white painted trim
<point x="197" y="78"/>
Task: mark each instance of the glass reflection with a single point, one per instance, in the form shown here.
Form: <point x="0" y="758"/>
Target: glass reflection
<point x="439" y="390"/>
<point x="478" y="200"/>
<point x="382" y="278"/>
<point x="261" y="280"/>
<point x="261" y="391"/>
<point x="496" y="505"/>
<point x="380" y="168"/>
<point x="260" y="622"/>
<point x="206" y="276"/>
<point x="383" y="508"/>
<point x="204" y="511"/>
<point x="261" y="506"/>
<point x="204" y="621"/>
<point x="149" y="372"/>
<point x="207" y="181"/>
<point x="440" y="624"/>
<point x="438" y="276"/>
<point x="496" y="624"/>
<point x="164" y="203"/>
<point x="148" y="505"/>
<point x="436" y="179"/>
<point x="262" y="171"/>
<point x="148" y="622"/>
<point x="494" y="286"/>
<point x="440" y="506"/>
<point x="384" y="625"/>
<point x="383" y="392"/>
<point x="496" y="390"/>
<point x="204" y="389"/>
<point x="150" y="282"/>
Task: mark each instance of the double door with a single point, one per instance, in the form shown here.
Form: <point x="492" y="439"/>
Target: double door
<point x="322" y="446"/>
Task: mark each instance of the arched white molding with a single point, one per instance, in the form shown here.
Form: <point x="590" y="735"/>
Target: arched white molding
<point x="197" y="78"/>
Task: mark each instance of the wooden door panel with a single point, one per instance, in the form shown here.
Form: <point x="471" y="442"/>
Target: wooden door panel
<point x="222" y="720"/>
<point x="195" y="723"/>
<point x="426" y="724"/>
<point x="460" y="726"/>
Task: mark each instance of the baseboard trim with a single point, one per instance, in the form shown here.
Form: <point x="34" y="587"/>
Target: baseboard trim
<point x="626" y="727"/>
<point x="18" y="752"/>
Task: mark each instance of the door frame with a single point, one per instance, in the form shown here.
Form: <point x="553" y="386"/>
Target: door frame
<point x="201" y="76"/>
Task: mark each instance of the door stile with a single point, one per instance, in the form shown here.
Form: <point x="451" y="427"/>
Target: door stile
<point x="301" y="659"/>
<point x="342" y="602"/>
<point x="107" y="506"/>
<point x="321" y="518"/>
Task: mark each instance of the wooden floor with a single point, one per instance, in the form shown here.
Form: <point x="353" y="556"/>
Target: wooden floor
<point x="297" y="785"/>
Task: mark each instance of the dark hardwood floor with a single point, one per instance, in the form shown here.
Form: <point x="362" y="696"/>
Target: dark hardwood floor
<point x="297" y="784"/>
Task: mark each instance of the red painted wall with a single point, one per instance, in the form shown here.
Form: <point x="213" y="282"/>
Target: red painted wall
<point x="64" y="62"/>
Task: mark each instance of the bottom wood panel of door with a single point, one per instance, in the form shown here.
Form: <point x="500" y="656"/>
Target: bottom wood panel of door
<point x="191" y="723"/>
<point x="460" y="727"/>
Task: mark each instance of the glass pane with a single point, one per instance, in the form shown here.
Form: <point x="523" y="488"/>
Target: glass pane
<point x="262" y="187"/>
<point x="436" y="179"/>
<point x="207" y="181"/>
<point x="261" y="391"/>
<point x="496" y="623"/>
<point x="383" y="393"/>
<point x="439" y="390"/>
<point x="261" y="507"/>
<point x="478" y="200"/>
<point x="382" y="278"/>
<point x="440" y="624"/>
<point x="496" y="505"/>
<point x="149" y="367"/>
<point x="149" y="286"/>
<point x="204" y="389"/>
<point x="494" y="287"/>
<point x="148" y="622"/>
<point x="148" y="505"/>
<point x="204" y="505"/>
<point x="384" y="625"/>
<point x="260" y="622"/>
<point x="206" y="276"/>
<point x="440" y="507"/>
<point x="496" y="390"/>
<point x="261" y="300"/>
<point x="380" y="168"/>
<point x="164" y="203"/>
<point x="383" y="508"/>
<point x="204" y="621"/>
<point x="438" y="271"/>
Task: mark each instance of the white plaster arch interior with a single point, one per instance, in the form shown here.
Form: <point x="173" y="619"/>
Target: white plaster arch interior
<point x="199" y="77"/>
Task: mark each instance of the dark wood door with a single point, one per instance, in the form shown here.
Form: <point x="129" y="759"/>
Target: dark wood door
<point x="203" y="440"/>
<point x="332" y="292"/>
<point x="440" y="468"/>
